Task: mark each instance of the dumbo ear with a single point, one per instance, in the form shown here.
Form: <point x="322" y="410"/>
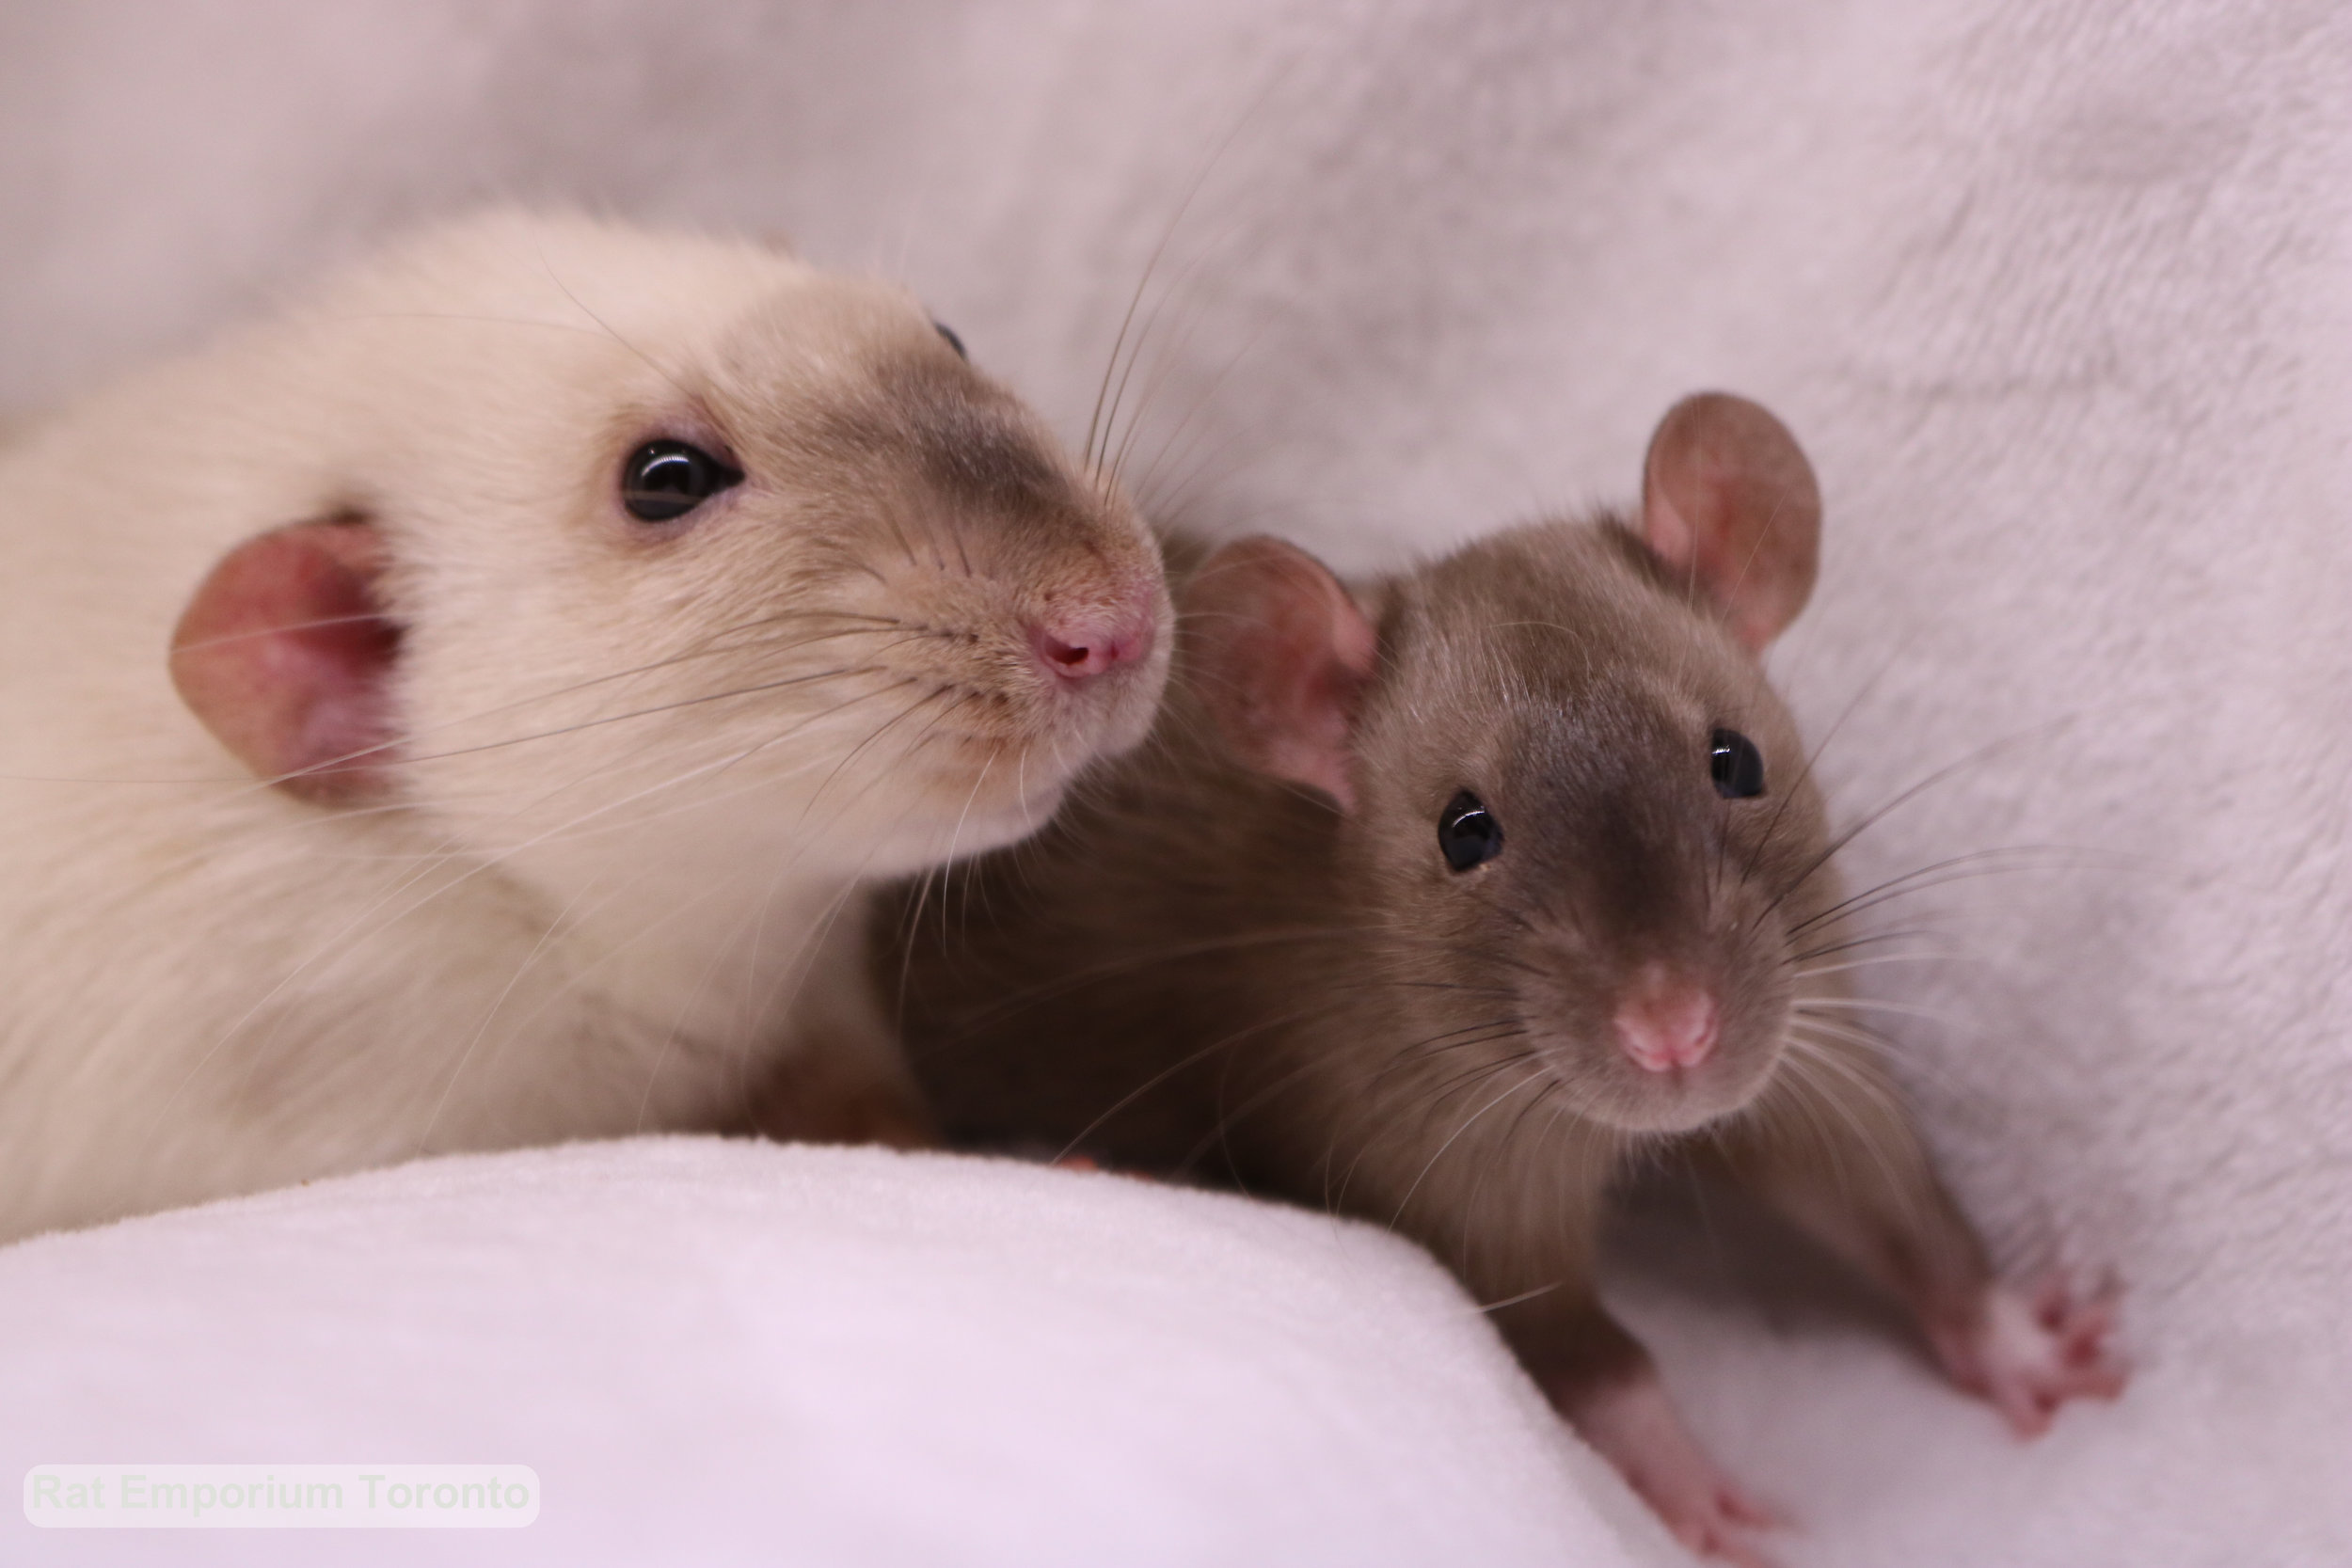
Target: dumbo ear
<point x="1285" y="655"/>
<point x="1729" y="503"/>
<point x="285" y="655"/>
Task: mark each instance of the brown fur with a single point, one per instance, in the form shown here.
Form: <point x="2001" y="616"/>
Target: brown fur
<point x="1198" y="968"/>
<point x="1258" y="950"/>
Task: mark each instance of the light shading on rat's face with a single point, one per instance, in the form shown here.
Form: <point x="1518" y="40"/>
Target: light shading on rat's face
<point x="1628" y="805"/>
<point x="907" y="582"/>
<point x="706" y="528"/>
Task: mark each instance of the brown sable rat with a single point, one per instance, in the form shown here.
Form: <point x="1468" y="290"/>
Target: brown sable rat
<point x="1442" y="900"/>
<point x="458" y="712"/>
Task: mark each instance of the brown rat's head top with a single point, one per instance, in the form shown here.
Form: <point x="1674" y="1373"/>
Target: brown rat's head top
<point x="1583" y="822"/>
<point x="607" y="526"/>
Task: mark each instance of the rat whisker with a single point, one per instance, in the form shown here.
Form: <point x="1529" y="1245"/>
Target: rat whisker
<point x="1812" y="971"/>
<point x="1863" y="1003"/>
<point x="1981" y="863"/>
<point x="1850" y="944"/>
<point x="1406" y="1202"/>
<point x="1941" y="775"/>
<point x="1227" y="1043"/>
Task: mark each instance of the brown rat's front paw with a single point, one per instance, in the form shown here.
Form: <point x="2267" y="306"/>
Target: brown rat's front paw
<point x="2029" y="1353"/>
<point x="1636" y="1429"/>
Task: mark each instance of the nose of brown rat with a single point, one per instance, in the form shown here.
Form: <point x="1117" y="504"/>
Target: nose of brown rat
<point x="1666" y="1021"/>
<point x="1078" y="645"/>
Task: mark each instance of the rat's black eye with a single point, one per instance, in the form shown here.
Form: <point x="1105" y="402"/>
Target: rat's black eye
<point x="1736" y="764"/>
<point x="1467" y="835"/>
<point x="665" y="480"/>
<point x="953" y="341"/>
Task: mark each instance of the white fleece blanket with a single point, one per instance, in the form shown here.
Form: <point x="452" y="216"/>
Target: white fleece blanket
<point x="724" y="1351"/>
<point x="2060" y="296"/>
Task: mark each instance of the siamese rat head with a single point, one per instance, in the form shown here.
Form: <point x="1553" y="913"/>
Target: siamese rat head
<point x="1579" y="821"/>
<point x="606" y="528"/>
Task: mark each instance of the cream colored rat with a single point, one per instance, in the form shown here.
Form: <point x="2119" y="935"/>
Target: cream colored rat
<point x="456" y="713"/>
<point x="1445" y="899"/>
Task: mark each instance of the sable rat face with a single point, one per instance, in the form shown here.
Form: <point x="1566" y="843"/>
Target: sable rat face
<point x="1578" y="821"/>
<point x="1578" y="798"/>
<point x="673" y="526"/>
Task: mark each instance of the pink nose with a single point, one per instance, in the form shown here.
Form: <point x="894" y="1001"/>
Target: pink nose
<point x="1079" y="647"/>
<point x="1666" y="1023"/>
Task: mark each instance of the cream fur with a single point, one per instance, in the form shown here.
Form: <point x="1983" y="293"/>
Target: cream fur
<point x="592" y="904"/>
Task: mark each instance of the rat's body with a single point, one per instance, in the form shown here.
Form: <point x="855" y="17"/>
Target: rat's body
<point x="569" y="620"/>
<point x="1556" y="893"/>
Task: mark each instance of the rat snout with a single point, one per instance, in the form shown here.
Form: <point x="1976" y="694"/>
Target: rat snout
<point x="1666" y="1021"/>
<point x="1079" y="645"/>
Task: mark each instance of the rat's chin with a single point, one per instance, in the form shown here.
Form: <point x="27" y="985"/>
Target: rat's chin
<point x="992" y="808"/>
<point x="1618" y="1094"/>
<point x="1025" y="813"/>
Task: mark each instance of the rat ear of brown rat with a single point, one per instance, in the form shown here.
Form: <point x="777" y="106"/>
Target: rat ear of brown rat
<point x="1730" y="505"/>
<point x="1283" y="657"/>
<point x="285" y="654"/>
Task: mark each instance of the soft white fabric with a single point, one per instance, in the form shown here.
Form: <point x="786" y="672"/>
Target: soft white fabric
<point x="719" y="1351"/>
<point x="2058" y="295"/>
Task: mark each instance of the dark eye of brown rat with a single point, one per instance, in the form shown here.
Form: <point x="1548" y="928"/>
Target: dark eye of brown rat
<point x="1467" y="833"/>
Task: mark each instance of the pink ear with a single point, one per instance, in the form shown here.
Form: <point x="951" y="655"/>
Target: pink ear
<point x="284" y="653"/>
<point x="1283" y="658"/>
<point x="1729" y="503"/>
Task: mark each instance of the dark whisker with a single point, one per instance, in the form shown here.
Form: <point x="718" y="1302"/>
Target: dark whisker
<point x="1965" y="866"/>
<point x="1981" y="755"/>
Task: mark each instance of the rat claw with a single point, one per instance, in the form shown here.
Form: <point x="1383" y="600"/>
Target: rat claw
<point x="2030" y="1351"/>
<point x="1711" y="1542"/>
<point x="2084" y="1335"/>
<point x="2102" y="1380"/>
<point x="1726" y="1548"/>
<point x="2027" y="1417"/>
<point x="1752" y="1512"/>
